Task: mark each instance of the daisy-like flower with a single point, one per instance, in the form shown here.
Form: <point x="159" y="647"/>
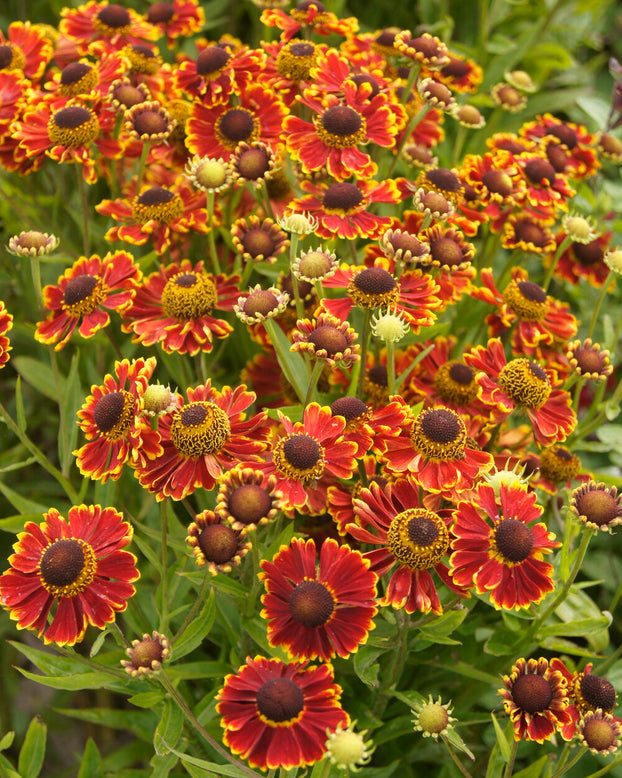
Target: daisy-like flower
<point x="159" y="214"/>
<point x="309" y="449"/>
<point x="74" y="569"/>
<point x="587" y="691"/>
<point x="176" y="19"/>
<point x="112" y="422"/>
<point x="402" y="246"/>
<point x="600" y="732"/>
<point x="341" y="207"/>
<point x="527" y="233"/>
<point x="308" y="13"/>
<point x="521" y="383"/>
<point x="276" y="714"/>
<point x="338" y="127"/>
<point x="210" y="175"/>
<point x="202" y="439"/>
<point x="508" y="97"/>
<point x="83" y="292"/>
<point x="409" y="535"/>
<point x="216" y="130"/>
<point x="146" y="656"/>
<point x="315" y="265"/>
<point x="24" y="50"/>
<point x="6" y="323"/>
<point x="581" y="261"/>
<point x="462" y="75"/>
<point x="434" y="449"/>
<point x="327" y="338"/>
<point x="148" y="121"/>
<point x="589" y="360"/>
<point x="499" y="550"/>
<point x="174" y="306"/>
<point x="433" y="719"/>
<point x="260" y="304"/>
<point x="253" y="163"/>
<point x="597" y="505"/>
<point x="216" y="543"/>
<point x="348" y="749"/>
<point x="318" y="609"/>
<point x="536" y="699"/>
<point x="247" y="498"/>
<point x="256" y="239"/>
<point x="373" y="288"/>
<point x="218" y="72"/>
<point x="32" y="243"/>
<point x="569" y="146"/>
<point x="424" y="49"/>
<point x="111" y="23"/>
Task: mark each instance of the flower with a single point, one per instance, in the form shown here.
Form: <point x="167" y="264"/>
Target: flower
<point x="210" y="175"/>
<point x="215" y="543"/>
<point x="308" y="13"/>
<point x="6" y="324"/>
<point x="276" y="714"/>
<point x="308" y="450"/>
<point x="327" y="338"/>
<point x="174" y="306"/>
<point x="388" y="327"/>
<point x="111" y="23"/>
<point x="424" y="49"/>
<point x="76" y="564"/>
<point x="496" y="550"/>
<point x="318" y="610"/>
<point x="536" y="699"/>
<point x="88" y="286"/>
<point x="113" y="425"/>
<point x="148" y="121"/>
<point x="597" y="505"/>
<point x="587" y="692"/>
<point x="433" y="719"/>
<point x="600" y="732"/>
<point x="315" y="265"/>
<point x="247" y="498"/>
<point x="414" y="537"/>
<point x="146" y="656"/>
<point x="256" y="239"/>
<point x="202" y="439"/>
<point x="260" y="304"/>
<point x="32" y="243"/>
<point x="347" y="749"/>
<point x="218" y="72"/>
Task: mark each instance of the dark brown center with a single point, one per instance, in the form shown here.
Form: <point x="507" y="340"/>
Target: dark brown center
<point x="460" y="373"/>
<point x="539" y="171"/>
<point x="78" y="289"/>
<point x="514" y="540"/>
<point x="531" y="291"/>
<point x="329" y="339"/>
<point x="341" y="120"/>
<point x="218" y="543"/>
<point x="498" y="182"/>
<point x="150" y="123"/>
<point x="349" y="407"/>
<point x="301" y="451"/>
<point x="311" y="604"/>
<point x="156" y="195"/>
<point x="342" y="196"/>
<point x="258" y="242"/>
<point x="532" y="693"/>
<point x="598" y="506"/>
<point x="62" y="563"/>
<point x="71" y="117"/>
<point x="280" y="699"/>
<point x="108" y="410"/>
<point x="236" y="125"/>
<point x="73" y="72"/>
<point x="249" y="503"/>
<point x="253" y="163"/>
<point x="114" y="15"/>
<point x="588" y="253"/>
<point x="262" y="302"/>
<point x="598" y="692"/>
<point x="446" y="251"/>
<point x="375" y="281"/>
<point x="211" y="59"/>
<point x="160" y="13"/>
<point x="422" y="531"/>
<point x="441" y="426"/>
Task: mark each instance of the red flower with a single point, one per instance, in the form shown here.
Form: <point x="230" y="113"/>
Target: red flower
<point x="414" y="537"/>
<point x="203" y="439"/>
<point x="6" y="323"/>
<point x="308" y="14"/>
<point x="25" y="50"/>
<point x="569" y="146"/>
<point x="318" y="611"/>
<point x="89" y="285"/>
<point x="177" y="19"/>
<point x="276" y="714"/>
<point x="77" y="563"/>
<point x="536" y="699"/>
<point x="337" y="128"/>
<point x="108" y="22"/>
<point x="506" y="386"/>
<point x="309" y="450"/>
<point x="497" y="551"/>
<point x="111" y="420"/>
<point x="219" y="72"/>
<point x="174" y="305"/>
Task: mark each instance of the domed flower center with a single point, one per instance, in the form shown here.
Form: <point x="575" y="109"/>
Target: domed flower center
<point x="426" y="45"/>
<point x="342" y="196"/>
<point x="362" y="78"/>
<point x="498" y="182"/>
<point x="442" y="180"/>
<point x="588" y="253"/>
<point x="456" y="68"/>
<point x="189" y="296"/>
<point x="157" y="203"/>
<point x="236" y="125"/>
<point x="150" y="123"/>
<point x="67" y="567"/>
<point x="299" y="457"/>
<point x="597" y="692"/>
<point x="565" y="134"/>
<point x="373" y="288"/>
<point x="525" y="382"/>
<point x="315" y="264"/>
<point x="455" y="383"/>
<point x="73" y="126"/>
<point x="341" y="127"/>
<point x="253" y="163"/>
<point x="128" y="95"/>
<point x="82" y="295"/>
<point x="407" y="244"/>
<point x="599" y="734"/>
<point x="439" y="434"/>
<point x="558" y="464"/>
<point x="114" y="17"/>
<point x="249" y="503"/>
<point x="200" y="428"/>
<point x="160" y="13"/>
<point x="598" y="506"/>
<point x="258" y="243"/>
<point x="76" y="77"/>
<point x="528" y="232"/>
<point x="311" y="604"/>
<point x="532" y="693"/>
<point x="280" y="700"/>
<point x="296" y="59"/>
<point x="418" y="538"/>
<point x="211" y="60"/>
<point x="378" y="375"/>
<point x="446" y="251"/>
<point x="219" y="543"/>
<point x="434" y="203"/>
<point x="306" y="4"/>
<point x="514" y="540"/>
<point x="261" y="302"/>
<point x="6" y="56"/>
<point x="540" y="172"/>
<point x="146" y="652"/>
<point x="351" y="408"/>
<point x="527" y="300"/>
<point x="114" y="413"/>
<point x="328" y="339"/>
<point x="433" y="718"/>
<point x="589" y="361"/>
<point x="557" y="157"/>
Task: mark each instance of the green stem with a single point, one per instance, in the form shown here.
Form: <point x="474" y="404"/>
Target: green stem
<point x="605" y="770"/>
<point x="509" y="768"/>
<point x="35" y="269"/>
<point x="40" y="457"/>
<point x="141" y="165"/>
<point x="560" y="250"/>
<point x="210" y="235"/>
<point x="198" y="602"/>
<point x="164" y="567"/>
<point x="364" y="345"/>
<point x="315" y="376"/>
<point x="419" y="116"/>
<point x="599" y="302"/>
<point x="165" y="681"/>
<point x="84" y="206"/>
<point x="568" y="765"/>
<point x="391" y="367"/>
<point x="456" y="758"/>
<point x="293" y="248"/>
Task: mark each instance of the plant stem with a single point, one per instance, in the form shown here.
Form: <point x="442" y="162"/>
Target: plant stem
<point x="164" y="567"/>
<point x="456" y="758"/>
<point x="565" y="767"/>
<point x="210" y="235"/>
<point x="84" y="206"/>
<point x="315" y="376"/>
<point x="198" y="602"/>
<point x="599" y="302"/>
<point x="560" y="250"/>
<point x="419" y="116"/>
<point x="509" y="768"/>
<point x="363" y="359"/>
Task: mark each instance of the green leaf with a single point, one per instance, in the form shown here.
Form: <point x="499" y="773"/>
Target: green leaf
<point x="366" y="666"/>
<point x="457" y="742"/>
<point x="292" y="363"/>
<point x="439" y="630"/>
<point x="6" y="769"/>
<point x="48" y="663"/>
<point x="70" y="402"/>
<point x="162" y="765"/>
<point x="502" y="741"/>
<point x="575" y="629"/>
<point x="38" y="375"/>
<point x="191" y="670"/>
<point x="7" y="740"/>
<point x="142" y="723"/>
<point x="197" y="630"/>
<point x="91" y="765"/>
<point x="146" y="699"/>
<point x="534" y="770"/>
<point x="169" y="729"/>
<point x="23" y="504"/>
<point x="19" y="405"/>
<point x="92" y="680"/>
<point x="33" y="751"/>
